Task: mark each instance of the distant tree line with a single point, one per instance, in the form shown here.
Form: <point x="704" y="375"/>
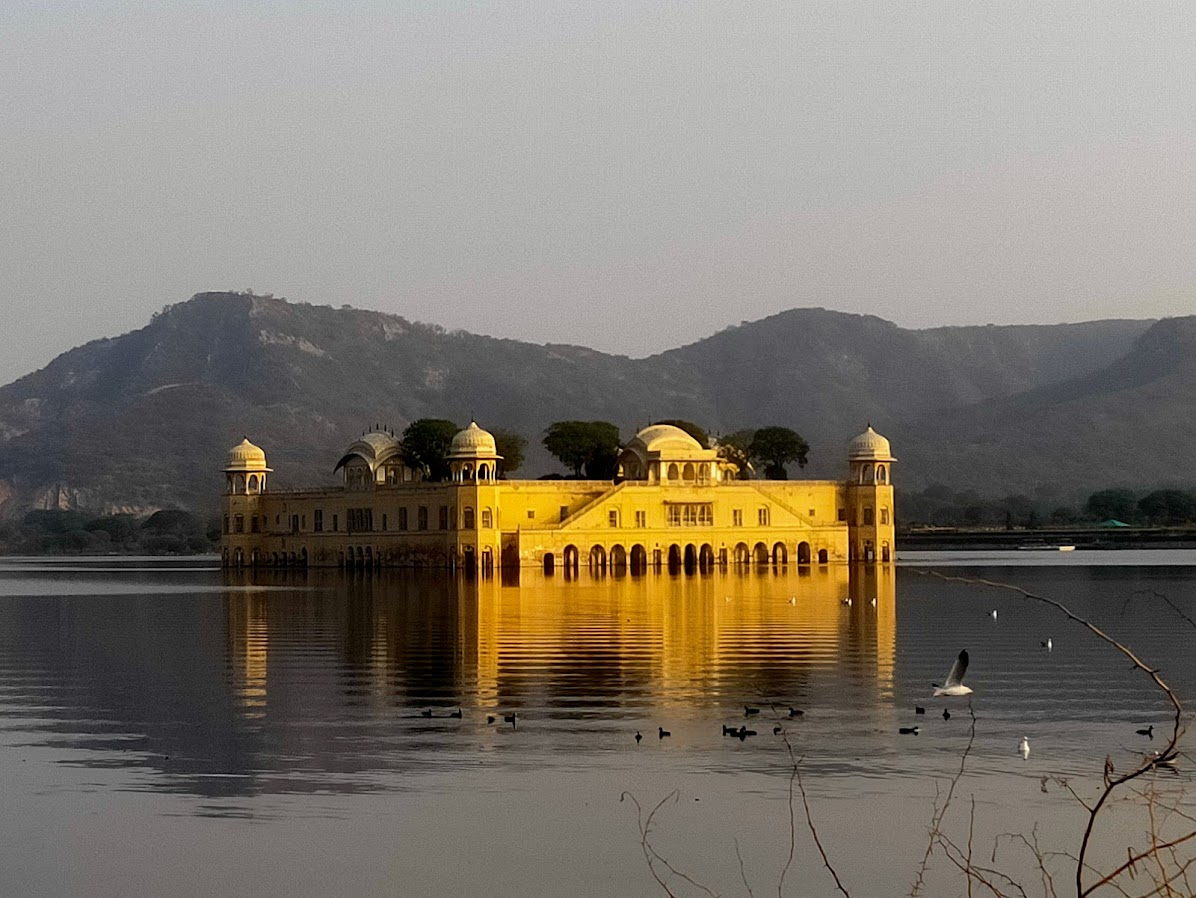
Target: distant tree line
<point x="942" y="506"/>
<point x="166" y="532"/>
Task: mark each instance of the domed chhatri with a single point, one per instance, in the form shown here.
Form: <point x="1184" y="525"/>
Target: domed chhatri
<point x="672" y="504"/>
<point x="246" y="457"/>
<point x="245" y="473"/>
<point x="473" y="442"/>
<point x="870" y="446"/>
<point x="473" y="455"/>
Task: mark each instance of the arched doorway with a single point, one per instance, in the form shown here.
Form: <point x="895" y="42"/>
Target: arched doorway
<point x="760" y="554"/>
<point x="598" y="559"/>
<point x="743" y="554"/>
<point x="618" y="559"/>
<point x="803" y="552"/>
<point x="639" y="559"/>
<point x="549" y="563"/>
<point x="706" y="557"/>
<point x="572" y="558"/>
<point x="780" y="555"/>
<point x="674" y="558"/>
<point x="822" y="556"/>
<point x="691" y="558"/>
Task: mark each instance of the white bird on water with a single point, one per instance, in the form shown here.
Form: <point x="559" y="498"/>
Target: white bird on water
<point x="994" y="613"/>
<point x="1049" y="644"/>
<point x="1024" y="748"/>
<point x="954" y="683"/>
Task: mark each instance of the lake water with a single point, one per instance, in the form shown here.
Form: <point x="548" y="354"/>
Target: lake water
<point x="167" y="728"/>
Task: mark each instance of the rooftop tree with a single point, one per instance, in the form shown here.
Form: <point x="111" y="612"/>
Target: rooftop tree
<point x="511" y="447"/>
<point x="777" y="447"/>
<point x="734" y="448"/>
<point x="592" y="445"/>
<point x="426" y="445"/>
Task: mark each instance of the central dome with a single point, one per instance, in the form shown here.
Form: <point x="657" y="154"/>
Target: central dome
<point x="473" y="442"/>
<point x="666" y="436"/>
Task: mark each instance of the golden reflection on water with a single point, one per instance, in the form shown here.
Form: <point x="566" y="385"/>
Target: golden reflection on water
<point x="248" y="649"/>
<point x="584" y="641"/>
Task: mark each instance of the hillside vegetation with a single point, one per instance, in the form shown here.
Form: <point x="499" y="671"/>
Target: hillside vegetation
<point x="144" y="420"/>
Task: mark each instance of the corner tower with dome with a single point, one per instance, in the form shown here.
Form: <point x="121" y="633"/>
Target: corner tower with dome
<point x="674" y="504"/>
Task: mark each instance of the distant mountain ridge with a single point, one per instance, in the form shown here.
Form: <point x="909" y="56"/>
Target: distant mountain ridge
<point x="144" y="420"/>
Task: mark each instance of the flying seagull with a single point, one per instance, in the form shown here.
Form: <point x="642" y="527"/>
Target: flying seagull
<point x="954" y="684"/>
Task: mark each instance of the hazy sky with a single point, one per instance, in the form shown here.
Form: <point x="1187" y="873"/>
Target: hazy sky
<point x="626" y="175"/>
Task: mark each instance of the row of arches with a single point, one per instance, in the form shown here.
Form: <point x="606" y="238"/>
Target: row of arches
<point x="689" y="556"/>
<point x="238" y="558"/>
<point x="246" y="485"/>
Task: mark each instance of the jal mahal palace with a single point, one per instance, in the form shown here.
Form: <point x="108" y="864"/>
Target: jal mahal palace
<point x="673" y="504"/>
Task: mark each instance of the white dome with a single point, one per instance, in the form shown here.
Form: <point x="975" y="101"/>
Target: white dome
<point x="473" y="442"/>
<point x="870" y="446"/>
<point x="246" y="457"/>
<point x="666" y="437"/>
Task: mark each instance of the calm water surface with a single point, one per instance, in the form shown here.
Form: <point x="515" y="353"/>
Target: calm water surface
<point x="167" y="728"/>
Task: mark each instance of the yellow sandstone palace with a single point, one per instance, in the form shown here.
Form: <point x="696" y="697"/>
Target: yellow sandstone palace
<point x="674" y="504"/>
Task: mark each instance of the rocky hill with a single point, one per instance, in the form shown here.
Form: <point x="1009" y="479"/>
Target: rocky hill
<point x="143" y="420"/>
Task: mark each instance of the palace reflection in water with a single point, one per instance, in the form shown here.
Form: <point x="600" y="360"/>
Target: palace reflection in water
<point x="225" y="683"/>
<point x="585" y="656"/>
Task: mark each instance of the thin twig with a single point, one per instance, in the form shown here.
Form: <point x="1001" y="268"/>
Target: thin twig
<point x="936" y="819"/>
<point x="742" y="872"/>
<point x="1114" y="782"/>
<point x="650" y="853"/>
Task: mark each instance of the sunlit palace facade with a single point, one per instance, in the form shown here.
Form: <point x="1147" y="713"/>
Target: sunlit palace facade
<point x="674" y="504"/>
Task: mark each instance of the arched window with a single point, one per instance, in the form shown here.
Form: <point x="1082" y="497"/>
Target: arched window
<point x="487" y="518"/>
<point x="673" y="471"/>
<point x="468" y="517"/>
<point x="881" y="475"/>
<point x="687" y="472"/>
<point x="239" y="485"/>
<point x="253" y="483"/>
